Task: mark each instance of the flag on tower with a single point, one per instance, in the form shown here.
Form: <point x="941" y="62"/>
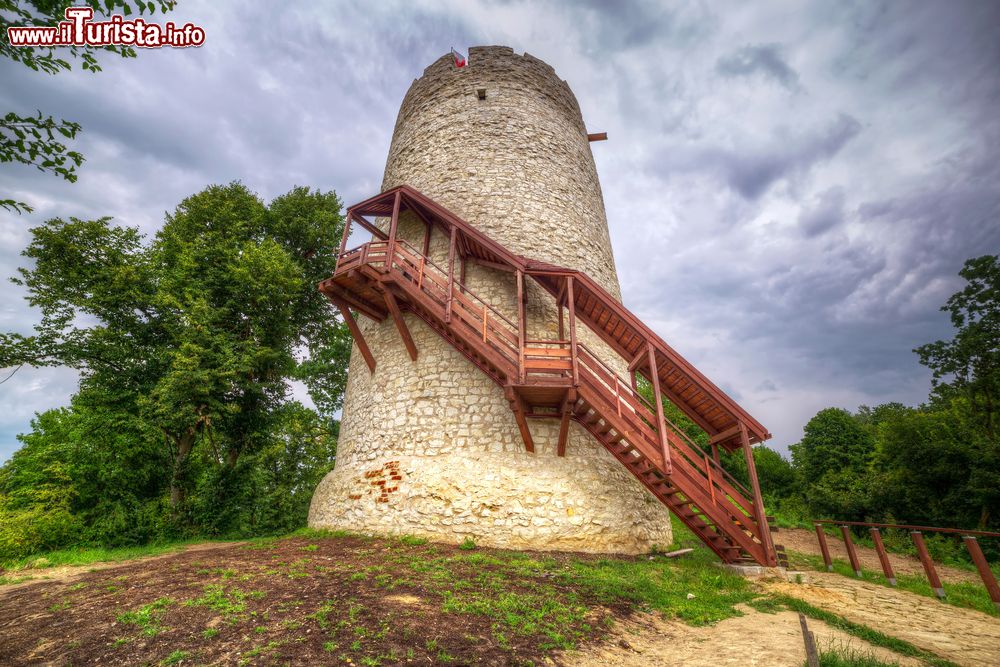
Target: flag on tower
<point x="459" y="58"/>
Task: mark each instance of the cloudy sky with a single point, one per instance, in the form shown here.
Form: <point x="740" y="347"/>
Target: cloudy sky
<point x="791" y="187"/>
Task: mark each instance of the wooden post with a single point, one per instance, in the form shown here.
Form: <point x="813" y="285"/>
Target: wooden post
<point x="520" y="324"/>
<point x="562" y="328"/>
<point x="823" y="547"/>
<point x="883" y="556"/>
<point x="567" y="411"/>
<point x="758" y="500"/>
<point x="852" y="553"/>
<point x="359" y="338"/>
<point x="925" y="560"/>
<point x="451" y="274"/>
<point x="812" y="653"/>
<point x="397" y="318"/>
<point x="571" y="306"/>
<point x="427" y="239"/>
<point x="393" y="225"/>
<point x="343" y="240"/>
<point x="715" y="454"/>
<point x="661" y="422"/>
<point x="984" y="569"/>
<point x="708" y="473"/>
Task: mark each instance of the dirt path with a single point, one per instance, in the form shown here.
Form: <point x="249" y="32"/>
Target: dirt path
<point x="753" y="639"/>
<point x="963" y="636"/>
<point x="805" y="541"/>
<point x="66" y="573"/>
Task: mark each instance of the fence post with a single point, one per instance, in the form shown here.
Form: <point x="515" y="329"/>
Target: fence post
<point x="984" y="569"/>
<point x="883" y="557"/>
<point x="851" y="551"/>
<point x="925" y="559"/>
<point x="823" y="547"/>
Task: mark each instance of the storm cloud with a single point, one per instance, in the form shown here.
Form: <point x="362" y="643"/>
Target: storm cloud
<point x="791" y="187"/>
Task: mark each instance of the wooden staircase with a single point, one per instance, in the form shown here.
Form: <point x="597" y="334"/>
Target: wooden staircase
<point x="562" y="378"/>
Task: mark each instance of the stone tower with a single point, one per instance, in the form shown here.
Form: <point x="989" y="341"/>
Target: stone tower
<point x="430" y="447"/>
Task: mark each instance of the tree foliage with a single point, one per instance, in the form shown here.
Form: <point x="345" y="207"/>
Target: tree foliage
<point x="186" y="345"/>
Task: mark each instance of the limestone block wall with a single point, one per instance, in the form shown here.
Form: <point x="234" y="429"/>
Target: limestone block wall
<point x="431" y="447"/>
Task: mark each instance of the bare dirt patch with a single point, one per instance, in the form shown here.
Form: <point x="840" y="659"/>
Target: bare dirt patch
<point x="752" y="639"/>
<point x="348" y="600"/>
<point x="964" y="636"/>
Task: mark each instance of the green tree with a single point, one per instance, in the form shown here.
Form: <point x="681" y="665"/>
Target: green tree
<point x="832" y="461"/>
<point x="199" y="331"/>
<point x="37" y="140"/>
<point x="969" y="363"/>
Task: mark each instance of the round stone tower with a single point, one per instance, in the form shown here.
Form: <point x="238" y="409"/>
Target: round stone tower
<point x="430" y="447"/>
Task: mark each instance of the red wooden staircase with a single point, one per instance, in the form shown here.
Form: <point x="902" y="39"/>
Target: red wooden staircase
<point x="562" y="378"/>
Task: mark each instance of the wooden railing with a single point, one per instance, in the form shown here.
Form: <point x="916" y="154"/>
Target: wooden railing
<point x="916" y="534"/>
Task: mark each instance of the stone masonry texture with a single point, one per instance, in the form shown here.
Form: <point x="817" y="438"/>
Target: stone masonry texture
<point x="430" y="448"/>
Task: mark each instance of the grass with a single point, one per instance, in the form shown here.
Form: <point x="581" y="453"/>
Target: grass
<point x="846" y="656"/>
<point x="971" y="595"/>
<point x="148" y="618"/>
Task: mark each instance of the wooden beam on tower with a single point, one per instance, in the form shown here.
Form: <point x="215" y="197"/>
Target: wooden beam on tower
<point x="758" y="499"/>
<point x="397" y="317"/>
<point x="517" y="405"/>
<point x="661" y="422"/>
<point x="597" y="136"/>
<point x="352" y="325"/>
<point x="571" y="307"/>
<point x="451" y="273"/>
<point x="393" y="228"/>
<point x="520" y="325"/>
<point x="639" y="359"/>
<point x="566" y="410"/>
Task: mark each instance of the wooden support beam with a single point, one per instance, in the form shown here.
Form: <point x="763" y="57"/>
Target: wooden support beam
<point x="725" y="435"/>
<point x="715" y="455"/>
<point x="393" y="228"/>
<point x="758" y="499"/>
<point x="640" y="358"/>
<point x="494" y="265"/>
<point x="925" y="560"/>
<point x="567" y="411"/>
<point x="397" y="317"/>
<point x="852" y="553"/>
<point x="520" y="324"/>
<point x="359" y="338"/>
<point x="661" y="422"/>
<point x="823" y="547"/>
<point x="334" y="294"/>
<point x="883" y="557"/>
<point x="347" y="232"/>
<point x="451" y="273"/>
<point x="376" y="232"/>
<point x="572" y="330"/>
<point x="983" y="566"/>
<point x="597" y="136"/>
<point x="517" y="405"/>
<point x="427" y="239"/>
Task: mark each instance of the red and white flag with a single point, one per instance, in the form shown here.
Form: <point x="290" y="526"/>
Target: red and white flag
<point x="459" y="58"/>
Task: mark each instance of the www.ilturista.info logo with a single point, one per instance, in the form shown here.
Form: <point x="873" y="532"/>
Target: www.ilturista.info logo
<point x="79" y="30"/>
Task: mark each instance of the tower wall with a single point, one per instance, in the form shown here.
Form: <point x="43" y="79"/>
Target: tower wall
<point x="431" y="447"/>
